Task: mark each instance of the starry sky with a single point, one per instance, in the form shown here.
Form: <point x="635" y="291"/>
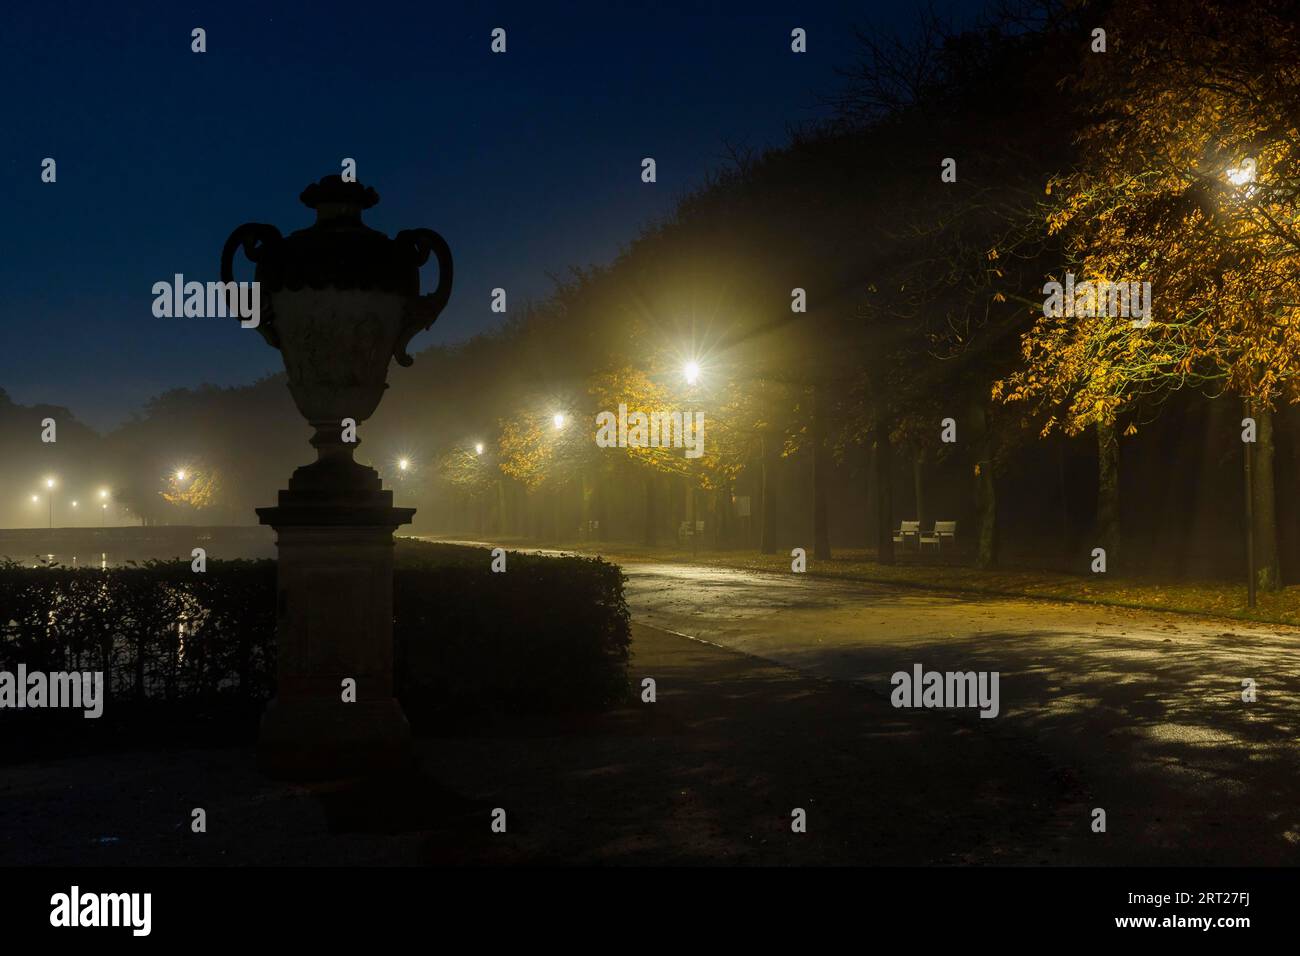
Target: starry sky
<point x="528" y="162"/>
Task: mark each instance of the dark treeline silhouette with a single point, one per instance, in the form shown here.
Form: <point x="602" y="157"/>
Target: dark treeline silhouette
<point x="847" y="308"/>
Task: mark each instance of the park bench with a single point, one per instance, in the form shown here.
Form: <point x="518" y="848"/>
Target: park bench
<point x="907" y="529"/>
<point x="685" y="533"/>
<point x="942" y="529"/>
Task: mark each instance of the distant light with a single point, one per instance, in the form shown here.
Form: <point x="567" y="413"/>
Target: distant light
<point x="403" y="464"/>
<point x="49" y="482"/>
<point x="74" y="504"/>
<point x="559" y="420"/>
<point x="105" y="507"/>
<point x="478" y="448"/>
<point x="180" y="475"/>
<point x="691" y="372"/>
<point x="103" y="493"/>
<point x="36" y="498"/>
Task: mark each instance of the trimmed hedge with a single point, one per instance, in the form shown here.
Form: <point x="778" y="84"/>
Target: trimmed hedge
<point x="550" y="635"/>
<point x="157" y="630"/>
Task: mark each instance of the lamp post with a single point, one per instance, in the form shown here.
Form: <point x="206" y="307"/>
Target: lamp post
<point x="339" y="300"/>
<point x="1242" y="178"/>
<point x="691" y="372"/>
<point x="558" y="421"/>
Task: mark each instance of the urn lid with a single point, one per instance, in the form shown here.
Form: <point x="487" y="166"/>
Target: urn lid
<point x="338" y="250"/>
<point x="333" y="190"/>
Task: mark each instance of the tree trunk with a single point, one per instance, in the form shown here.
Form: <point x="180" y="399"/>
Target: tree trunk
<point x="1287" y="522"/>
<point x="1108" y="524"/>
<point x="689" y="504"/>
<point x="722" y="517"/>
<point x="651" y="517"/>
<point x="1065" y="502"/>
<point x="1268" y="565"/>
<point x="585" y="490"/>
<point x="767" y="531"/>
<point x="869" y="490"/>
<point x="986" y="499"/>
<point x="601" y="493"/>
<point x="820" y="463"/>
<point x="918" y="485"/>
<point x="883" y="461"/>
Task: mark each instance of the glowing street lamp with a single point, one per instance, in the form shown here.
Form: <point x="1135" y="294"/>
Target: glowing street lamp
<point x="1242" y="174"/>
<point x="691" y="372"/>
<point x="103" y="495"/>
<point x="180" y="474"/>
<point x="478" y="448"/>
<point x="559" y="420"/>
<point x="403" y="464"/>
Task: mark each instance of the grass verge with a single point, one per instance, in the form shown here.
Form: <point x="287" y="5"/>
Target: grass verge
<point x="1225" y="599"/>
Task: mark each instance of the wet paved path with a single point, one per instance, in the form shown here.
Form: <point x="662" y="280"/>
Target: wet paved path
<point x="1144" y="709"/>
<point x="1140" y="711"/>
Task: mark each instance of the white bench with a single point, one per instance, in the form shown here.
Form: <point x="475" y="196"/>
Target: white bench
<point x="907" y="529"/>
<point x="942" y="529"/>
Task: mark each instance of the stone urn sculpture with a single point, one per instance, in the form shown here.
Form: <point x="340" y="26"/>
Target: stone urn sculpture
<point x="339" y="300"/>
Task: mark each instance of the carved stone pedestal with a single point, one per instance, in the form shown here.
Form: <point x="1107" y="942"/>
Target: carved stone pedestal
<point x="334" y="622"/>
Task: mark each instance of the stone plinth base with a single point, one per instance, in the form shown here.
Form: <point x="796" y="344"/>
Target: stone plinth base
<point x="334" y="714"/>
<point x="305" y="738"/>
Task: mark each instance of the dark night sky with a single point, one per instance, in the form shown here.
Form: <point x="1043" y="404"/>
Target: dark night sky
<point x="526" y="163"/>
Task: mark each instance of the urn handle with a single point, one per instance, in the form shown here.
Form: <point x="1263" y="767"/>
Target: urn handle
<point x="423" y="311"/>
<point x="260" y="242"/>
